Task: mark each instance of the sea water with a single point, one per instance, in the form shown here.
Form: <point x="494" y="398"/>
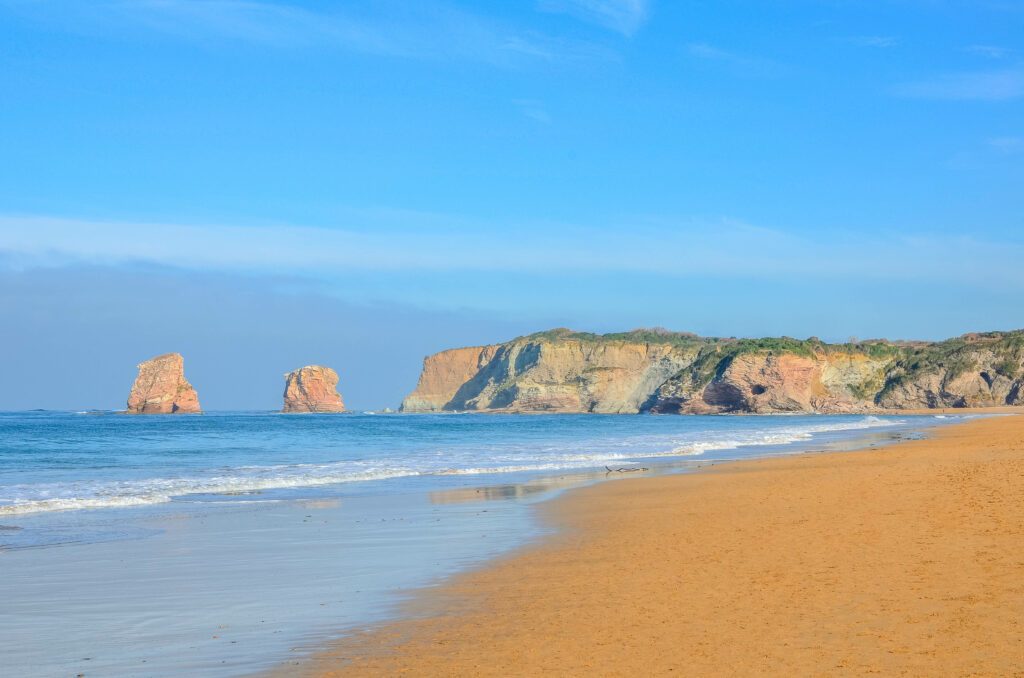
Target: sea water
<point x="223" y="543"/>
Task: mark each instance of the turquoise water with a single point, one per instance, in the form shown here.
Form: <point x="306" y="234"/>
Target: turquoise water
<point x="223" y="543"/>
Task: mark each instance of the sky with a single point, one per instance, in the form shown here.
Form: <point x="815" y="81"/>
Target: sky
<point x="262" y="185"/>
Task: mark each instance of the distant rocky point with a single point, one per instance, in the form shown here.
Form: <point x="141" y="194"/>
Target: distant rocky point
<point x="673" y="372"/>
<point x="312" y="389"/>
<point x="161" y="388"/>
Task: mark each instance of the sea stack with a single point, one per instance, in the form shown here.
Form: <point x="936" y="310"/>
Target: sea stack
<point x="313" y="388"/>
<point x="161" y="388"/>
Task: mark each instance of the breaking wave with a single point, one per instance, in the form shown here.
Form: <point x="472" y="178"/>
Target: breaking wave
<point x="524" y="456"/>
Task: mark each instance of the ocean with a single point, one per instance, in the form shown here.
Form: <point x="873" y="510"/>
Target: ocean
<point x="224" y="543"/>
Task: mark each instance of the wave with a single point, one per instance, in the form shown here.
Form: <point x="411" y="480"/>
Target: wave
<point x="163" y="490"/>
<point x="24" y="499"/>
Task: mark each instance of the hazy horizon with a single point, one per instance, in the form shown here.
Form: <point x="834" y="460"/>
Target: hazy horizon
<point x="218" y="373"/>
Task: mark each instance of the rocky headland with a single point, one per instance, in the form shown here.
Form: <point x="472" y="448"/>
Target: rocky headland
<point x="313" y="388"/>
<point x="161" y="388"/>
<point x="671" y="372"/>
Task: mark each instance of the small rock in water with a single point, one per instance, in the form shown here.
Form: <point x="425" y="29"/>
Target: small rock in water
<point x="161" y="388"/>
<point x="313" y="388"/>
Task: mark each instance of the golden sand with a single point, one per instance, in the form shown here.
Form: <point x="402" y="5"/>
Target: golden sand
<point x="904" y="560"/>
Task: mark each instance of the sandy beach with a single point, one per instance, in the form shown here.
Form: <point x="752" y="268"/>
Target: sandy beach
<point x="903" y="560"/>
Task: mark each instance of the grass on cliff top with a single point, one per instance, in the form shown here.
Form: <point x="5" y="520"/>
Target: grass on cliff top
<point x="902" y="360"/>
<point x="958" y="355"/>
<point x="641" y="336"/>
<point x="879" y="348"/>
<point x="909" y="359"/>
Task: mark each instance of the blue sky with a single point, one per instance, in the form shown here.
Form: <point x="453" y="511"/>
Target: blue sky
<point x="450" y="173"/>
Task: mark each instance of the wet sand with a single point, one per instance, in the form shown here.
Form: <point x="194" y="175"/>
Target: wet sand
<point x="903" y="560"/>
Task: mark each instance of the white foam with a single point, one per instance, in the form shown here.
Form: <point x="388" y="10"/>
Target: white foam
<point x="25" y="499"/>
<point x="163" y="490"/>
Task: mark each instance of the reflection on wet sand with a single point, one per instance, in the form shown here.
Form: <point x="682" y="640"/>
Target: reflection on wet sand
<point x="535" y="486"/>
<point x="321" y="503"/>
<point x="538" y="486"/>
<point x="873" y="439"/>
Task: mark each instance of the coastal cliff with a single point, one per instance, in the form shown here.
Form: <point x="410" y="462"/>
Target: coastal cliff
<point x="161" y="388"/>
<point x="668" y="372"/>
<point x="313" y="388"/>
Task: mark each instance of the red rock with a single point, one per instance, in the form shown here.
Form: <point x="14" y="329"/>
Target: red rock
<point x="161" y="388"/>
<point x="312" y="389"/>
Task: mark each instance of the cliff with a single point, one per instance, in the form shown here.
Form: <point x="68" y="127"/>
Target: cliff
<point x="313" y="388"/>
<point x="161" y="388"/>
<point x="666" y="372"/>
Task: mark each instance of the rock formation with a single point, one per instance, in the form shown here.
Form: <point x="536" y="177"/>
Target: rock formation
<point x="161" y="388"/>
<point x="312" y="389"/>
<point x="666" y="372"/>
<point x="443" y="375"/>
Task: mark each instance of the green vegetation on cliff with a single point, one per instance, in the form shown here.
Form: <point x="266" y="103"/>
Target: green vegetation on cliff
<point x="640" y="336"/>
<point x="910" y="360"/>
<point x="662" y="371"/>
<point x="875" y="348"/>
<point x="958" y="356"/>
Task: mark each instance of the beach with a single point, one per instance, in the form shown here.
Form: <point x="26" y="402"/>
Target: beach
<point x="540" y="338"/>
<point x="230" y="543"/>
<point x="900" y="560"/>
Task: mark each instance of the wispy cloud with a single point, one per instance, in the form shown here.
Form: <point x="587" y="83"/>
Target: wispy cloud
<point x="739" y="62"/>
<point x="998" y="85"/>
<point x="429" y="29"/>
<point x="623" y="16"/>
<point x="534" y="110"/>
<point x="1007" y="145"/>
<point x="990" y="51"/>
<point x="702" y="50"/>
<point x="686" y="248"/>
<point x="880" y="41"/>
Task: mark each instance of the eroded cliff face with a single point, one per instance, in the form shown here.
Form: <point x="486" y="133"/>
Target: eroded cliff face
<point x="980" y="375"/>
<point x="161" y="388"/>
<point x="562" y="371"/>
<point x="443" y="375"/>
<point x="544" y="376"/>
<point x="769" y="382"/>
<point x="313" y="388"/>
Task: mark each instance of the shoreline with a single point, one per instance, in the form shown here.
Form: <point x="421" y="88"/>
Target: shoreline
<point x="243" y="581"/>
<point x="614" y="592"/>
<point x="184" y="486"/>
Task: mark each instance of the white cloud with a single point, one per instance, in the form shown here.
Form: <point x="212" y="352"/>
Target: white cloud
<point x="430" y="244"/>
<point x="872" y="40"/>
<point x="534" y="110"/>
<point x="998" y="85"/>
<point x="739" y="62"/>
<point x="622" y="16"/>
<point x="990" y="51"/>
<point x="702" y="50"/>
<point x="1007" y="145"/>
<point x="428" y="29"/>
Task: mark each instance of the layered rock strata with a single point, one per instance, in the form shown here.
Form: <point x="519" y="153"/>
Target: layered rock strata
<point x="666" y="372"/>
<point x="161" y="388"/>
<point x="313" y="388"/>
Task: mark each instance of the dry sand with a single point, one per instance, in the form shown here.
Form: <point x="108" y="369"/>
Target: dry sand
<point x="906" y="560"/>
